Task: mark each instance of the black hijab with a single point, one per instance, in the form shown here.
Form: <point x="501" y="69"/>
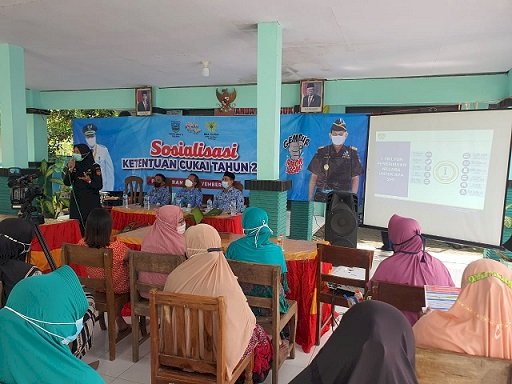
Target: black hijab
<point x="87" y="159"/>
<point x="20" y="230"/>
<point x="373" y="344"/>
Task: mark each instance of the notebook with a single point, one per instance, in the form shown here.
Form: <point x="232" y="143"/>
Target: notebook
<point x="440" y="298"/>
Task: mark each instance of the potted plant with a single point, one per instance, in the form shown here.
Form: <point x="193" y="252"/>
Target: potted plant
<point x="54" y="202"/>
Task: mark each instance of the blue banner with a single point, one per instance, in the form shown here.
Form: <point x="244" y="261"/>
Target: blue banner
<point x="208" y="146"/>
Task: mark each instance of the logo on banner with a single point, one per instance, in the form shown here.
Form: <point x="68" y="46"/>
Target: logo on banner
<point x="175" y="128"/>
<point x="211" y="127"/>
<point x="295" y="144"/>
<point x="192" y="128"/>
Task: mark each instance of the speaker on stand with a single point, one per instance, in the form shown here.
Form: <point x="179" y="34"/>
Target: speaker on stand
<point x="341" y="220"/>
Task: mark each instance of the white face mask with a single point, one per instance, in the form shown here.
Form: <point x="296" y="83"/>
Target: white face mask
<point x="256" y="231"/>
<point x="181" y="228"/>
<point x="338" y="140"/>
<point x="26" y="246"/>
<point x="188" y="183"/>
<point x="225" y="185"/>
<point x="91" y="141"/>
<point x="79" y="324"/>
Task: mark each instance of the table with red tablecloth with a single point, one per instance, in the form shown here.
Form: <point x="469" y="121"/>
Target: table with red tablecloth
<point x="301" y="261"/>
<point x="122" y="216"/>
<point x="55" y="233"/>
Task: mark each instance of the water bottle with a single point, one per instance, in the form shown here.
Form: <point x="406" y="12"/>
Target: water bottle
<point x="178" y="201"/>
<point x="233" y="208"/>
<point x="125" y="200"/>
<point x="280" y="239"/>
<point x="146" y="202"/>
<point x="209" y="205"/>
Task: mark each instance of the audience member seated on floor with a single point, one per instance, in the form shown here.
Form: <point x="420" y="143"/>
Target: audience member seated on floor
<point x="165" y="236"/>
<point x="256" y="247"/>
<point x="373" y="344"/>
<point x="159" y="193"/>
<point x="15" y="238"/>
<point x="42" y="316"/>
<point x="207" y="273"/>
<point x="229" y="195"/>
<point x="479" y="321"/>
<point x="97" y="235"/>
<point x="410" y="263"/>
<point x="191" y="193"/>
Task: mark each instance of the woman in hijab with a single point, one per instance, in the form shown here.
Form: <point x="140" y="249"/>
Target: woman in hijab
<point x="165" y="236"/>
<point x="42" y="316"/>
<point x="410" y="264"/>
<point x="15" y="239"/>
<point x="206" y="272"/>
<point x="84" y="175"/>
<point x="479" y="323"/>
<point x="256" y="247"/>
<point x="373" y="344"/>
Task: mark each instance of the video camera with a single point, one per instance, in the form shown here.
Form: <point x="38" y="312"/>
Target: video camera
<point x="23" y="191"/>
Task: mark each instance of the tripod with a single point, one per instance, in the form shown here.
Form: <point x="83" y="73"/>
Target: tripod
<point x="26" y="213"/>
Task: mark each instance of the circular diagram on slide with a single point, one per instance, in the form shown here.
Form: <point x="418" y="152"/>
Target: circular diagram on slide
<point x="446" y="172"/>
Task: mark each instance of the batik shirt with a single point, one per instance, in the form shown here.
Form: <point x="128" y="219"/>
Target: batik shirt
<point x="192" y="196"/>
<point x="224" y="198"/>
<point x="160" y="196"/>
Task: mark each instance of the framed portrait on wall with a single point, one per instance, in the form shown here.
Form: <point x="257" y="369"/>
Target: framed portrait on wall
<point x="311" y="96"/>
<point x="143" y="101"/>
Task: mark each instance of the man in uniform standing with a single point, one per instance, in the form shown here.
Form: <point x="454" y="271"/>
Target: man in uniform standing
<point x="336" y="166"/>
<point x="101" y="156"/>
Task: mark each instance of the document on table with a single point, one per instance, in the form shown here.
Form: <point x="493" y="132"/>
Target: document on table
<point x="440" y="298"/>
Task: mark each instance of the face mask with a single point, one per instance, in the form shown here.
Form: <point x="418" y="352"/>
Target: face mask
<point x="188" y="183"/>
<point x="256" y="231"/>
<point x="181" y="228"/>
<point x="79" y="324"/>
<point x="26" y="246"/>
<point x="91" y="141"/>
<point x="77" y="156"/>
<point x="225" y="184"/>
<point x="338" y="140"/>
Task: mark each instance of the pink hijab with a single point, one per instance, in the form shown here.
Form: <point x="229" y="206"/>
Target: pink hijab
<point x="163" y="237"/>
<point x="410" y="263"/>
<point x="207" y="273"/>
<point x="480" y="321"/>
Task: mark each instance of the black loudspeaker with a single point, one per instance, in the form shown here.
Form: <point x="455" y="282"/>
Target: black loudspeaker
<point x="341" y="219"/>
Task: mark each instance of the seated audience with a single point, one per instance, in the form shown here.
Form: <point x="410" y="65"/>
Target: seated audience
<point x="373" y="344"/>
<point x="207" y="273"/>
<point x="42" y="316"/>
<point x="191" y="193"/>
<point x="165" y="236"/>
<point x="229" y="194"/>
<point x="410" y="263"/>
<point x="159" y="193"/>
<point x="98" y="229"/>
<point x="15" y="240"/>
<point x="256" y="247"/>
<point x="479" y="321"/>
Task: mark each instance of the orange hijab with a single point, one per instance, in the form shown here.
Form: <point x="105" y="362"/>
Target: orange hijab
<point x="208" y="274"/>
<point x="480" y="321"/>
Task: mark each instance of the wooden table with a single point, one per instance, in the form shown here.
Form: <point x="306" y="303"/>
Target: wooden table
<point x="122" y="216"/>
<point x="301" y="261"/>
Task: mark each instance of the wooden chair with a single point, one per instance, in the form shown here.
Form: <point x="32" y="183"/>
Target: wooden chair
<point x="174" y="359"/>
<point x="401" y="296"/>
<point x="133" y="187"/>
<point x="105" y="298"/>
<point x="338" y="256"/>
<point x="434" y="366"/>
<point x="145" y="262"/>
<point x="269" y="275"/>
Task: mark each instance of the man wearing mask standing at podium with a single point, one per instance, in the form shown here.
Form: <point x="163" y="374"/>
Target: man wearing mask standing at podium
<point x="101" y="156"/>
<point x="335" y="167"/>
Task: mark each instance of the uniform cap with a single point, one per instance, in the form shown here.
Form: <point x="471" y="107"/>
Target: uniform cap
<point x="339" y="125"/>
<point x="89" y="130"/>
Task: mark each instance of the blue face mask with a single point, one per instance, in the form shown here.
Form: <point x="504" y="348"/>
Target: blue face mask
<point x="256" y="231"/>
<point x="225" y="184"/>
<point x="77" y="156"/>
<point x="79" y="324"/>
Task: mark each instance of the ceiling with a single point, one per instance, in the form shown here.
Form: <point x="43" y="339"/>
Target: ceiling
<point x="103" y="44"/>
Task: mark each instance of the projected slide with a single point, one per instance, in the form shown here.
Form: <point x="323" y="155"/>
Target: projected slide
<point x="452" y="165"/>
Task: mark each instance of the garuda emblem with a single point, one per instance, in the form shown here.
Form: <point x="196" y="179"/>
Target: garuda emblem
<point x="226" y="100"/>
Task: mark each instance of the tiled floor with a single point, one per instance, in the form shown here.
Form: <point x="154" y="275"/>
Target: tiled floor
<point x="124" y="371"/>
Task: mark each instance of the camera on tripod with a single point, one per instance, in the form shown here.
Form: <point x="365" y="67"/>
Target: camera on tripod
<point x="23" y="192"/>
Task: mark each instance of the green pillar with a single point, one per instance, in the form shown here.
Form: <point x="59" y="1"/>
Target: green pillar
<point x="37" y="129"/>
<point x="301" y="220"/>
<point x="269" y="99"/>
<point x="13" y="118"/>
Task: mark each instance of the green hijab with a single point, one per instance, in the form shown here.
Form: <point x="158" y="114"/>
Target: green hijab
<point x="31" y="355"/>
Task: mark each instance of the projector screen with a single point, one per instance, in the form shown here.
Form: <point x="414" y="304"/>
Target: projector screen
<point x="448" y="170"/>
